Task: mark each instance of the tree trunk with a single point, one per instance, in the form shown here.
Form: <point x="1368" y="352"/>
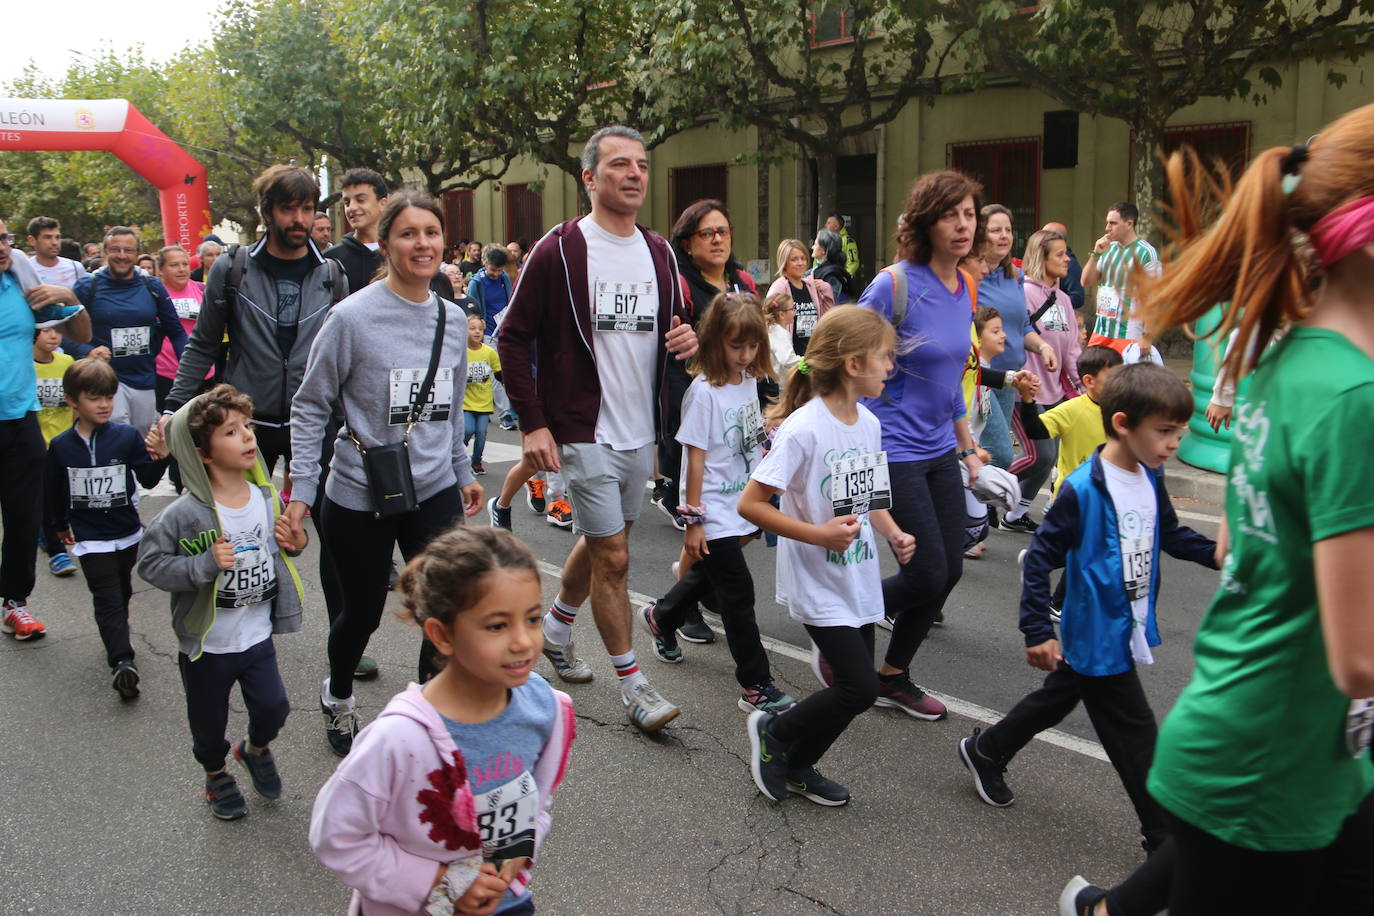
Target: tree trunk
<point x="1147" y="170"/>
<point x="764" y="171"/>
<point x="827" y="185"/>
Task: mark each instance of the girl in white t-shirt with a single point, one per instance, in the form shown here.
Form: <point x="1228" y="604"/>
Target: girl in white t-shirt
<point x="828" y="466"/>
<point x="722" y="435"/>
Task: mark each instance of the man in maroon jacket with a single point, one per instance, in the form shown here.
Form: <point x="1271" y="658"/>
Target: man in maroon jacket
<point x="584" y="347"/>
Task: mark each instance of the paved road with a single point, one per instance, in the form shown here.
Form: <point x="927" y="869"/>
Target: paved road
<point x="101" y="809"/>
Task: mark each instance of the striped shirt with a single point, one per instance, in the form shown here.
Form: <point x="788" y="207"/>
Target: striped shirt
<point x="1114" y="319"/>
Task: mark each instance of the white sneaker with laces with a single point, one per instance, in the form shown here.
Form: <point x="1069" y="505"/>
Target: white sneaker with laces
<point x="646" y="708"/>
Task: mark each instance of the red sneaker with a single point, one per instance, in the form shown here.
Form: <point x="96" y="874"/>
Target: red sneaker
<point x="19" y="623"/>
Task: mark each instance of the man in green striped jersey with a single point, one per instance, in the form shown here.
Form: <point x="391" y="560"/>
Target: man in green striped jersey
<point x="1114" y="257"/>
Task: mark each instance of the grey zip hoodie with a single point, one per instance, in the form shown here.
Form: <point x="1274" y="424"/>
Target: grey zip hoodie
<point x="175" y="555"/>
<point x="370" y="357"/>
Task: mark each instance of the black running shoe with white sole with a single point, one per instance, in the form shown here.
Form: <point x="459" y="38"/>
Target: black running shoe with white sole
<point x="814" y="787"/>
<point x="224" y="798"/>
<point x="986" y="772"/>
<point x="767" y="757"/>
<point x="125" y="679"/>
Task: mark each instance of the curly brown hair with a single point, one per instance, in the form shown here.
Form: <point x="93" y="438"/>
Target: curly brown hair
<point x="208" y="412"/>
<point x="930" y="197"/>
<point x="446" y="578"/>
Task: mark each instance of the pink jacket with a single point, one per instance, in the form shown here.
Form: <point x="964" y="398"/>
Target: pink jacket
<point x="399" y="805"/>
<point x="1054" y="386"/>
<point x="821" y="293"/>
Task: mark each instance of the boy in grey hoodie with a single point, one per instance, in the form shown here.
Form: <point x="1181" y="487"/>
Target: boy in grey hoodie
<point x="221" y="551"/>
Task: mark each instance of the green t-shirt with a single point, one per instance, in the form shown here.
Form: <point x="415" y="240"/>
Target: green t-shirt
<point x="1115" y="318"/>
<point x="1254" y="752"/>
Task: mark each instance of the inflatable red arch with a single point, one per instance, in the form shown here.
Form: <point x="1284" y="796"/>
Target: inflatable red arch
<point x="117" y="126"/>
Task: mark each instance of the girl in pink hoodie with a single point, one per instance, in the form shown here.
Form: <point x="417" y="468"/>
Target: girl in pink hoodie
<point x="443" y="801"/>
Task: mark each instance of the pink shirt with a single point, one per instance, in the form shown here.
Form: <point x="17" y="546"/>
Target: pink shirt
<point x="187" y="302"/>
<point x="1059" y="329"/>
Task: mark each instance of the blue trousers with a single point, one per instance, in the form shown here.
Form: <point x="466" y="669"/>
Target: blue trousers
<point x="208" y="681"/>
<point x="475" y="427"/>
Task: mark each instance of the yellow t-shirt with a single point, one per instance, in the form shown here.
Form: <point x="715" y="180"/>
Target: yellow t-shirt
<point x="54" y="416"/>
<point x="1077" y="423"/>
<point x="483" y="364"/>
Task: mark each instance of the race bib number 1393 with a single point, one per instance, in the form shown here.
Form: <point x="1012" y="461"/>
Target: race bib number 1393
<point x="860" y="484"/>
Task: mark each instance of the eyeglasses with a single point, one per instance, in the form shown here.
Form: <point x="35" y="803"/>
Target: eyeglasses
<point x="706" y="235"/>
<point x="6" y="238"/>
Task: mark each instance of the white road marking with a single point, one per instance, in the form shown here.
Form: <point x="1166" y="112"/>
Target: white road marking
<point x="957" y="706"/>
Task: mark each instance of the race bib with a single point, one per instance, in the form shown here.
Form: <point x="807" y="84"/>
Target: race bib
<point x="860" y="484"/>
<point x="188" y="309"/>
<point x="251" y="580"/>
<point x="405" y="387"/>
<point x="1137" y="559"/>
<point x="805" y="323"/>
<point x="479" y="372"/>
<point x="131" y="341"/>
<point x="1359" y="726"/>
<point x="751" y="423"/>
<point x="1108" y="303"/>
<point x="505" y="818"/>
<point x="50" y="393"/>
<point x="1054" y="319"/>
<point x="105" y="487"/>
<point x="625" y="306"/>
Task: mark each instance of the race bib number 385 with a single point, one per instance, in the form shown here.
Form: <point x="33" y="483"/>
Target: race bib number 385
<point x="405" y="388"/>
<point x="104" y="487"/>
<point x="131" y="341"/>
<point x="860" y="484"/>
<point x="625" y="306"/>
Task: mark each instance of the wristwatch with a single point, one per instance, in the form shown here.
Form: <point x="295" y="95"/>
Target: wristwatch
<point x="965" y="452"/>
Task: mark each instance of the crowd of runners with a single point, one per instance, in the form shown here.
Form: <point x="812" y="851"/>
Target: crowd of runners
<point x="920" y="408"/>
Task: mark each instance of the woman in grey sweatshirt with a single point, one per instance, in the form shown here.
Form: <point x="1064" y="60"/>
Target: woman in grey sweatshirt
<point x="371" y="357"/>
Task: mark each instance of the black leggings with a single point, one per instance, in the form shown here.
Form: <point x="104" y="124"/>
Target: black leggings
<point x="1213" y="876"/>
<point x="669" y="451"/>
<point x="22" y="457"/>
<point x="928" y="503"/>
<point x="362" y="547"/>
<point x="810" y="727"/>
<point x="109" y="576"/>
<point x="727" y="572"/>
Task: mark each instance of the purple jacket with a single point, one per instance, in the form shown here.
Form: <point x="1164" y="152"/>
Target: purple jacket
<point x="549" y="326"/>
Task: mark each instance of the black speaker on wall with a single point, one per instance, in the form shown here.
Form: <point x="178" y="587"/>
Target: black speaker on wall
<point x="1060" y="149"/>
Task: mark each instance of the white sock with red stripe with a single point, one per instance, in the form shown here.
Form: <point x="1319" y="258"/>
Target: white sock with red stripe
<point x="558" y="623"/>
<point x="627" y="669"/>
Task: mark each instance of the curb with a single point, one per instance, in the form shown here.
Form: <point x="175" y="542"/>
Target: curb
<point x="1189" y="482"/>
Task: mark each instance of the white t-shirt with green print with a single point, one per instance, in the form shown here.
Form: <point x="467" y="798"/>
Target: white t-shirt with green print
<point x="726" y="423"/>
<point x="1115" y="318"/>
<point x="819" y="586"/>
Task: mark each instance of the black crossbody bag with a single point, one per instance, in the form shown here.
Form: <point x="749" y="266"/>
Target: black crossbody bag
<point x="390" y="485"/>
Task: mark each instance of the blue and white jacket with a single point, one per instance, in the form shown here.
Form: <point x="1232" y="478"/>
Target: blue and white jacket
<point x="1079" y="535"/>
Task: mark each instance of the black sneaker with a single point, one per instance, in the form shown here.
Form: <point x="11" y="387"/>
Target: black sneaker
<point x="812" y="786"/>
<point x="767" y="757"/>
<point x="125" y="679"/>
<point x="262" y="768"/>
<point x="987" y="773"/>
<point x="1022" y="524"/>
<point x="340" y="726"/>
<point x="478" y="469"/>
<point x="666" y="502"/>
<point x="696" y="630"/>
<point x="224" y="798"/>
<point x="534" y="496"/>
<point x="499" y="516"/>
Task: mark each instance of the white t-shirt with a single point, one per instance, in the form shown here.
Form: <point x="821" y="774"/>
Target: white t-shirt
<point x="244" y="592"/>
<point x="624" y="295"/>
<point x="727" y="423"/>
<point x="64" y="273"/>
<point x="816" y="585"/>
<point x="1136" y="506"/>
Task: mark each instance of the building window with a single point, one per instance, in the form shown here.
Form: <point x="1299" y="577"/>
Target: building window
<point x="1010" y="173"/>
<point x="457" y="216"/>
<point x="1226" y="141"/>
<point x="524" y="215"/>
<point x="831" y="25"/>
<point x="695" y="182"/>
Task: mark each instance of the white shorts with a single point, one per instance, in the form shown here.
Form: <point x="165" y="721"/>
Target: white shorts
<point x="135" y="406"/>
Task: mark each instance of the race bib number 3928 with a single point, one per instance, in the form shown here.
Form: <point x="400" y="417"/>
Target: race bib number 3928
<point x="625" y="306"/>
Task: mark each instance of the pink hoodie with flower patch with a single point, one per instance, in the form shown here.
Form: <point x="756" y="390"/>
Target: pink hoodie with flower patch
<point x="386" y="820"/>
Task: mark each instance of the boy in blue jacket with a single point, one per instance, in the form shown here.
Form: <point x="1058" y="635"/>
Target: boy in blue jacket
<point x="1106" y="529"/>
<point x="93" y="474"/>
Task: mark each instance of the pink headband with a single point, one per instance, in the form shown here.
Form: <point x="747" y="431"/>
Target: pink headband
<point x="1344" y="229"/>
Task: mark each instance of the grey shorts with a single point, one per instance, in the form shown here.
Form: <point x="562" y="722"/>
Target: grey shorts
<point x="605" y="487"/>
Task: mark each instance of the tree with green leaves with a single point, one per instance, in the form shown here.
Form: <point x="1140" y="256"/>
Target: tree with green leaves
<point x="1143" y="60"/>
<point x="758" y="63"/>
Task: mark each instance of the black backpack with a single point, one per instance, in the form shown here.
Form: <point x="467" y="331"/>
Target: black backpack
<point x="238" y="263"/>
